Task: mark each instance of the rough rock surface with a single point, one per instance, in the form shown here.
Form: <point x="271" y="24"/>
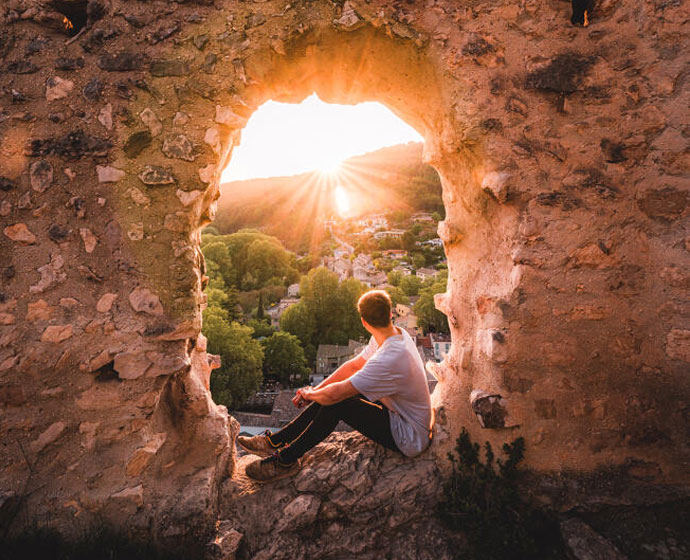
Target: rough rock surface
<point x="334" y="506"/>
<point x="563" y="154"/>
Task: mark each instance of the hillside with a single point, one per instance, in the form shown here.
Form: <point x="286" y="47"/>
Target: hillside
<point x="292" y="208"/>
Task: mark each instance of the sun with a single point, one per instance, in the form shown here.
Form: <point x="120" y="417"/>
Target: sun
<point x="329" y="165"/>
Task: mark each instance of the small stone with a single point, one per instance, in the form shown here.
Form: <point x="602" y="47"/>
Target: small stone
<point x="24" y="201"/>
<point x="348" y="17"/>
<point x="138" y="196"/>
<point x="212" y="138"/>
<point x="109" y="174"/>
<point x="89" y="239"/>
<point x="141" y="457"/>
<point x="154" y="175"/>
<point x="51" y="274"/>
<point x="56" y="333"/>
<point x="131" y="365"/>
<point x="41" y="174"/>
<point x="5" y="208"/>
<point x="22" y="67"/>
<point x="178" y="147"/>
<point x="57" y="233"/>
<point x="50" y="435"/>
<point x="20" y="233"/>
<point x="137" y="143"/>
<point x="163" y="68"/>
<point x="144" y="301"/>
<point x="69" y="64"/>
<point x="136" y="231"/>
<point x="106" y="302"/>
<point x="105" y="116"/>
<point x="163" y="32"/>
<point x="187" y="198"/>
<point x="200" y="41"/>
<point x="101" y="201"/>
<point x="69" y="173"/>
<point x="228" y="117"/>
<point x="149" y="118"/>
<point x="122" y="62"/>
<point x="93" y="90"/>
<point x="68" y="302"/>
<point x="255" y="20"/>
<point x="206" y="174"/>
<point x="57" y="88"/>
<point x="39" y="311"/>
<point x="180" y="119"/>
<point x="176" y="222"/>
<point x="496" y="185"/>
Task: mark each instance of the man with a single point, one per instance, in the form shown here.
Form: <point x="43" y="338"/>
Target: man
<point x="382" y="393"/>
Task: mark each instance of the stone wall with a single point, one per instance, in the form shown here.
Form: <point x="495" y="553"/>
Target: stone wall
<point x="563" y="154"/>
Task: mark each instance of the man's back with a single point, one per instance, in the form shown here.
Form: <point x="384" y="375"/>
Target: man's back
<point x="394" y="374"/>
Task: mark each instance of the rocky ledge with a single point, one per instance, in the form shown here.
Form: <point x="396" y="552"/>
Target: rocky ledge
<point x="352" y="498"/>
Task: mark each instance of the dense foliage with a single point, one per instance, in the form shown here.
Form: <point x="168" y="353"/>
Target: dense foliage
<point x="284" y="359"/>
<point x="428" y="317"/>
<point x="240" y="373"/>
<point x="327" y="312"/>
<point x="485" y="504"/>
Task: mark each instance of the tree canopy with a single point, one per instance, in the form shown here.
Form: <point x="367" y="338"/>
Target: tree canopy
<point x="284" y="358"/>
<point x="429" y="318"/>
<point x="240" y="373"/>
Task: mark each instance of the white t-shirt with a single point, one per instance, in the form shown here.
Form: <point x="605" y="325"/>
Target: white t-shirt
<point x="394" y="374"/>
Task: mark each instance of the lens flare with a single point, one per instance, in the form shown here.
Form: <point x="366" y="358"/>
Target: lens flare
<point x="342" y="200"/>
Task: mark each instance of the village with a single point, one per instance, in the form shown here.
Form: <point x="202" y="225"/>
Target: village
<point x="376" y="269"/>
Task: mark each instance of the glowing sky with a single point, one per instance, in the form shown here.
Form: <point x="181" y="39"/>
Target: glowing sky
<point x="287" y="139"/>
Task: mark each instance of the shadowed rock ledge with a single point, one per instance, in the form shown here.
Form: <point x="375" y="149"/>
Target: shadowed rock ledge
<point x="351" y="498"/>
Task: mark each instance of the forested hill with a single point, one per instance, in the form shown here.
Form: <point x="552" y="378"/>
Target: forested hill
<point x="292" y="208"/>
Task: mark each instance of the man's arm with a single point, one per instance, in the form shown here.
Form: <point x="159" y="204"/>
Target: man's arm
<point x="344" y="372"/>
<point x="332" y="393"/>
<point x="347" y="370"/>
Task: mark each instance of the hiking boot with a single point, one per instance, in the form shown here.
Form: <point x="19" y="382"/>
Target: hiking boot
<point x="258" y="445"/>
<point x="271" y="468"/>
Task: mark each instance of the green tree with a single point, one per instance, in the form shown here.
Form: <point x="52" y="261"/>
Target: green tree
<point x="397" y="295"/>
<point x="429" y="318"/>
<point x="298" y="320"/>
<point x="418" y="260"/>
<point x="394" y="277"/>
<point x="284" y="359"/>
<point x="261" y="329"/>
<point x="241" y="357"/>
<point x="410" y="285"/>
<point x="408" y="240"/>
<point x="260" y="307"/>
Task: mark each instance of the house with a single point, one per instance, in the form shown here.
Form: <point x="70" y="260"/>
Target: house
<point x="363" y="261"/>
<point x="341" y="253"/>
<point x="404" y="270"/>
<point x="425" y="348"/>
<point x="293" y="290"/>
<point x="276" y="311"/>
<point x="395" y="253"/>
<point x="422" y="217"/>
<point x="424" y="273"/>
<point x="330" y="357"/>
<point x="393" y="233"/>
<point x="435" y="242"/>
<point x="440" y="344"/>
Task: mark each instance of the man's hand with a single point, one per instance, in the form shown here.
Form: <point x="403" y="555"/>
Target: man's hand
<point x="299" y="400"/>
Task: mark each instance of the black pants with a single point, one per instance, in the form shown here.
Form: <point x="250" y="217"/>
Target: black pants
<point x="316" y="422"/>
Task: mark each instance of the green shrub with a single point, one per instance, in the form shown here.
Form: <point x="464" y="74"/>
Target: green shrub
<point x="485" y="504"/>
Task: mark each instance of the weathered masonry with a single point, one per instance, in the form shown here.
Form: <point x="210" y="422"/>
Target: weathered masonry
<point x="563" y="153"/>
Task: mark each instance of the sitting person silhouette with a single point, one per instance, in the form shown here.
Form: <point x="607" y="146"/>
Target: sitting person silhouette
<point x="382" y="393"/>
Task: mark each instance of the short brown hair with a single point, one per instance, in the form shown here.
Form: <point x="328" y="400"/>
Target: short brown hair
<point x="375" y="308"/>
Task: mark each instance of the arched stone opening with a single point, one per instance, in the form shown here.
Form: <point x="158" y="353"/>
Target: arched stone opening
<point x="544" y="140"/>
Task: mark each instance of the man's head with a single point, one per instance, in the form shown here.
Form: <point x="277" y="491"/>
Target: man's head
<point x="375" y="308"/>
